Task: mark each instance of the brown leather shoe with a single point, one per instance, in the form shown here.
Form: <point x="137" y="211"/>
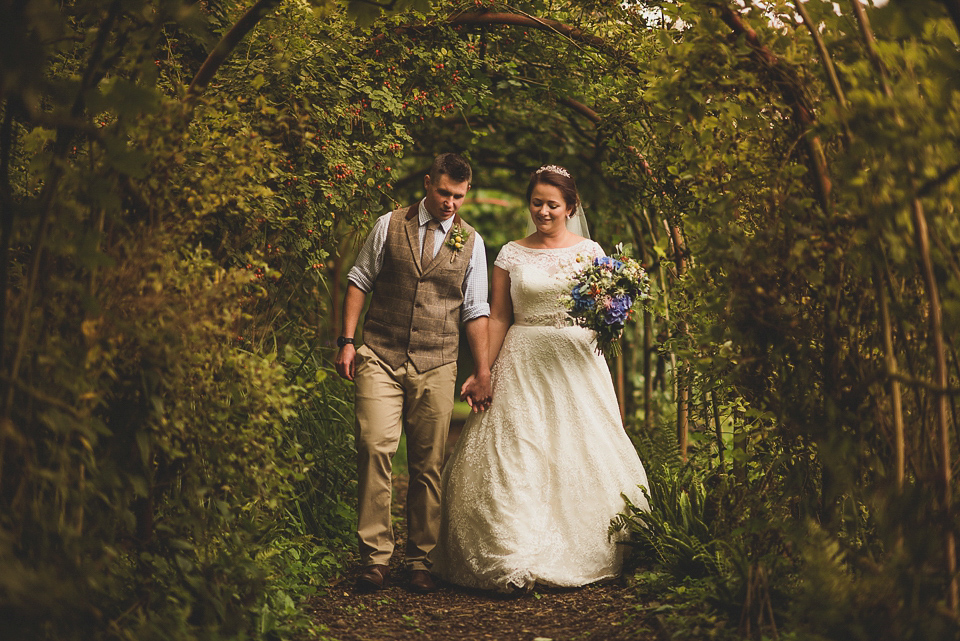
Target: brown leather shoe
<point x="373" y="578"/>
<point x="421" y="582"/>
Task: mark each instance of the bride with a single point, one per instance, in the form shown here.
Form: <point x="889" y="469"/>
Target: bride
<point x="533" y="482"/>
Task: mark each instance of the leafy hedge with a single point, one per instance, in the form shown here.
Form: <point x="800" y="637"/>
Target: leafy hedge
<point x="175" y="454"/>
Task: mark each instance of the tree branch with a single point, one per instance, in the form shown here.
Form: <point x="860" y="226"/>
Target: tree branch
<point x="519" y="20"/>
<point x="792" y="90"/>
<point x="383" y="7"/>
<point x="931" y="185"/>
<point x="6" y="212"/>
<point x="828" y="67"/>
<point x="48" y="195"/>
<point x="581" y="108"/>
<point x="922" y="237"/>
<point x="548" y="25"/>
<point x="227" y="44"/>
<point x="42" y="397"/>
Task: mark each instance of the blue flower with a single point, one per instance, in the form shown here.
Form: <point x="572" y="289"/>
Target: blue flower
<point x="581" y="302"/>
<point x="612" y="263"/>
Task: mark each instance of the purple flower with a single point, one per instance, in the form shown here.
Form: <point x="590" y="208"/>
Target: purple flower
<point x="617" y="309"/>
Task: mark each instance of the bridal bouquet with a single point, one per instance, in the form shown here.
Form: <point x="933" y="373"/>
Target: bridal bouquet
<point x="604" y="295"/>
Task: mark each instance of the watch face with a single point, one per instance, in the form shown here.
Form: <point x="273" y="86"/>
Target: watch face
<point x="342" y="340"/>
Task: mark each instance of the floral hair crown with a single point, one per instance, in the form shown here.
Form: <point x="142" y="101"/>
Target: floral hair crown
<point x="554" y="169"/>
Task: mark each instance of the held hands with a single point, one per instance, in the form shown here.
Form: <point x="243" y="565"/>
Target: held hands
<point x="346" y="362"/>
<point x="476" y="391"/>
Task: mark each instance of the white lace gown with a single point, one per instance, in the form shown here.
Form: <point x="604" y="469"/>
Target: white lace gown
<point x="533" y="482"/>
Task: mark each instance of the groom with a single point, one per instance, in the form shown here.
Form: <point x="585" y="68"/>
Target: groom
<point x="427" y="271"/>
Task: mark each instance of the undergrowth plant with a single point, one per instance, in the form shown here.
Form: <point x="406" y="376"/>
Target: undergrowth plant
<point x="676" y="529"/>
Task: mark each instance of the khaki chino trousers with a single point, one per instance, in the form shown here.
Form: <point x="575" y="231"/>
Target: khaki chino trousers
<point x="390" y="401"/>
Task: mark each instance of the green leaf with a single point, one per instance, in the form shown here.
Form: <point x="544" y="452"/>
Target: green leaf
<point x="364" y="13"/>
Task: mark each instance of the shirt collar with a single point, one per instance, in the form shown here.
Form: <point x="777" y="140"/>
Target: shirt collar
<point x="425" y="217"/>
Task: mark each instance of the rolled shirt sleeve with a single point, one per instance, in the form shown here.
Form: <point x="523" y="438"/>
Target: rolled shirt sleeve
<point x="370" y="259"/>
<point x="475" y="302"/>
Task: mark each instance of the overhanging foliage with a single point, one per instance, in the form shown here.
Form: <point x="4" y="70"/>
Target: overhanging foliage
<point x="172" y="261"/>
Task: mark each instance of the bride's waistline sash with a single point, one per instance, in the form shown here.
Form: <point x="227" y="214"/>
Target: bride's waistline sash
<point x="553" y="319"/>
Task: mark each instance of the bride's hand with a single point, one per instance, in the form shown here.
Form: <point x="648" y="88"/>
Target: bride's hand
<point x="465" y="390"/>
<point x="476" y="391"/>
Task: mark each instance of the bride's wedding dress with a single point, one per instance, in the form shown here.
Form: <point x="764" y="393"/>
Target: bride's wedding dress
<point x="533" y="482"/>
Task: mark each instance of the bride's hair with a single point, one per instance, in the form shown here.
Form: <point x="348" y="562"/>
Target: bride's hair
<point x="559" y="178"/>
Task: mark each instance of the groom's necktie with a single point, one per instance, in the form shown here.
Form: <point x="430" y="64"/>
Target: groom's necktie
<point x="429" y="241"/>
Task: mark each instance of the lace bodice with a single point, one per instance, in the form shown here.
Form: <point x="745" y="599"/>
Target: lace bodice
<point x="539" y="276"/>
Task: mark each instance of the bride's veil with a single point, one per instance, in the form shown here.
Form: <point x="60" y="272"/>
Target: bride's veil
<point x="576" y="224"/>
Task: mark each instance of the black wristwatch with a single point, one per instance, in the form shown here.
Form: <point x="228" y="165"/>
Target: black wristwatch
<point x="343" y="340"/>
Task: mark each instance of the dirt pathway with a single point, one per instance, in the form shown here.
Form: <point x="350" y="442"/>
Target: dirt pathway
<point x="593" y="613"/>
<point x="601" y="612"/>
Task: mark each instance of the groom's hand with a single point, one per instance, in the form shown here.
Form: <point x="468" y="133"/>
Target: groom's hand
<point x="346" y="362"/>
<point x="482" y="392"/>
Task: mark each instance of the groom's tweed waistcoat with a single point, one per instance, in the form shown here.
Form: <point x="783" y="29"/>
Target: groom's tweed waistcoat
<point x="414" y="314"/>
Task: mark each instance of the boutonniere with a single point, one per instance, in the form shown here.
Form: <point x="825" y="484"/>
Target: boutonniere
<point x="458" y="237"/>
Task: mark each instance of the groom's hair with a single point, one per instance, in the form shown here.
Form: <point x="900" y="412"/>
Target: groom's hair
<point x="453" y="166"/>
